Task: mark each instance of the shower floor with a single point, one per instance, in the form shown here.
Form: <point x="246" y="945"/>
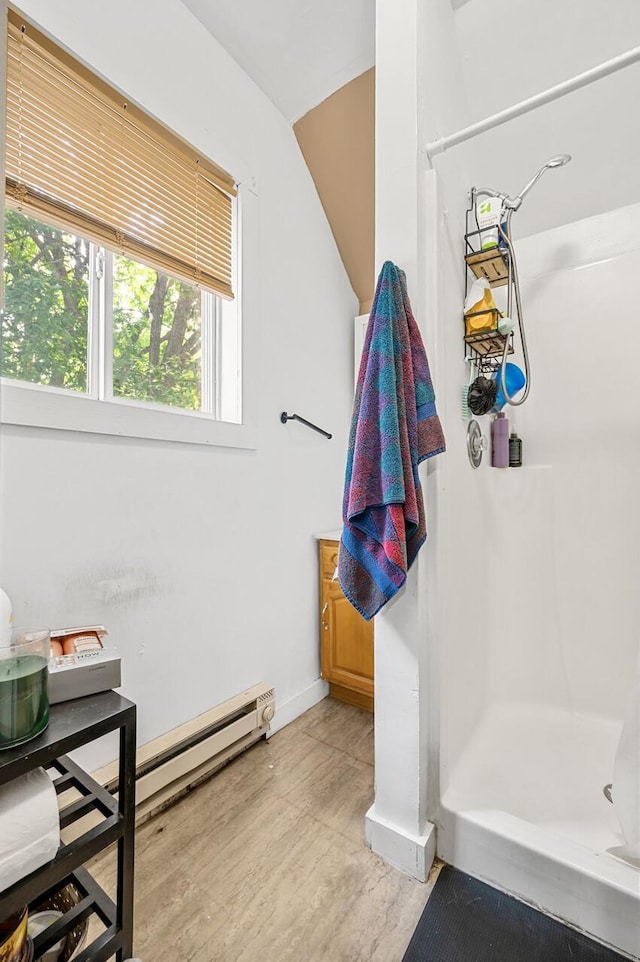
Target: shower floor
<point x="546" y="765"/>
<point x="524" y="809"/>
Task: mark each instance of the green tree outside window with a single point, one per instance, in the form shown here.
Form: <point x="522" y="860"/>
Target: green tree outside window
<point x="156" y="319"/>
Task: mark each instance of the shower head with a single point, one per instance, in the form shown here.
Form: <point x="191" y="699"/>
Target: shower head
<point x="513" y="203"/>
<point x="559" y="161"/>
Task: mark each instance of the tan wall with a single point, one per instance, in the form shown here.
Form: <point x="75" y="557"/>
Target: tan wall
<point x="337" y="139"/>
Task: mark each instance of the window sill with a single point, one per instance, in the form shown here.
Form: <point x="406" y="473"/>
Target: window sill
<point x="31" y="406"/>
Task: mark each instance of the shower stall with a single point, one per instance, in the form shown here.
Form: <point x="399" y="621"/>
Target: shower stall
<point x="505" y="671"/>
<point x="539" y="568"/>
<point x="538" y="668"/>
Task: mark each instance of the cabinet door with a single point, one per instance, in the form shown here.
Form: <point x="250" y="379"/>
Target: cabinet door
<point x="346" y="638"/>
<point x="348" y="643"/>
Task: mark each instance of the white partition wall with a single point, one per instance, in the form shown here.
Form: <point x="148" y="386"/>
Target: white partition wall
<point x="407" y="52"/>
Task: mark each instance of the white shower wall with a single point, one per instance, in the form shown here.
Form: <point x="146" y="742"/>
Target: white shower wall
<point x="543" y="559"/>
<point x="538" y="565"/>
<point x="566" y="609"/>
<point x="547" y="560"/>
<point x="535" y="566"/>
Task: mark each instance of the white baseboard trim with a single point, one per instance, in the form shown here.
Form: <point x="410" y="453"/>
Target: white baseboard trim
<point x="299" y="704"/>
<point x="412" y="854"/>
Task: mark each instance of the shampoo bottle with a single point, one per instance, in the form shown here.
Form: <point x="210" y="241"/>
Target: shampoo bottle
<point x="488" y="216"/>
<point x="500" y="441"/>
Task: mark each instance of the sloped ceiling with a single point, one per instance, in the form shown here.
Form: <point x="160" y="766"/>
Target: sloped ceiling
<point x="297" y="51"/>
<point x="337" y="140"/>
<point x="300" y="52"/>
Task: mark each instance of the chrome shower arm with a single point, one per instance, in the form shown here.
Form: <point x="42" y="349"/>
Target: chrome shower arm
<point x="513" y="203"/>
<point x="485" y="192"/>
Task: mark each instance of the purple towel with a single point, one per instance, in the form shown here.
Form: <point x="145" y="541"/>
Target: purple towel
<point x="394" y="427"/>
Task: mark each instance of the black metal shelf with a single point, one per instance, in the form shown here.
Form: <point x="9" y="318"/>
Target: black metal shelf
<point x="490" y="262"/>
<point x="71" y="725"/>
<point x="94" y="902"/>
<point x="489" y="344"/>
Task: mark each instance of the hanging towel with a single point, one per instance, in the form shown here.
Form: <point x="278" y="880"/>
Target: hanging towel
<point x="394" y="427"/>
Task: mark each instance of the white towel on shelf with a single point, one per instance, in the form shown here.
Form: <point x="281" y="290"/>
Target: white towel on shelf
<point x="29" y="826"/>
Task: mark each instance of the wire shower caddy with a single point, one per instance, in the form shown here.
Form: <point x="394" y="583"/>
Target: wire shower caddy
<point x="485" y="349"/>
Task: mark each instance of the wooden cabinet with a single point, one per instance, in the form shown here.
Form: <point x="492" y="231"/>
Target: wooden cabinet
<point x="346" y="639"/>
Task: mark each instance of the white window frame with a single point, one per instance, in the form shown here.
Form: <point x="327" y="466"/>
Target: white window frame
<point x="98" y="412"/>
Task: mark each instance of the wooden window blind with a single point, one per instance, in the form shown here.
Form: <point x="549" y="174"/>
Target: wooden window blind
<point x="81" y="156"/>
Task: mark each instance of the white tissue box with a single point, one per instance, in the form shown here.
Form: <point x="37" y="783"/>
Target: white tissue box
<point x="73" y="676"/>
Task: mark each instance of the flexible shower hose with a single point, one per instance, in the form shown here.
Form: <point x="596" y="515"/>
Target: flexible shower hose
<point x="514" y="286"/>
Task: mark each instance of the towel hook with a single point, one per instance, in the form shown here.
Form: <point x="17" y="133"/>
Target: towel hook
<point x="284" y="417"/>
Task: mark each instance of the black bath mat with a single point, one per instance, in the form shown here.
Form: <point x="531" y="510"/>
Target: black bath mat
<point x="468" y="921"/>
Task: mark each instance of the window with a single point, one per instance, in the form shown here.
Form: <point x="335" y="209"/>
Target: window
<point x="119" y="247"/>
<point x="81" y="318"/>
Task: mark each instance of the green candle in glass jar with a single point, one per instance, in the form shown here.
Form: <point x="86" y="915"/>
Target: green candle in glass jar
<point x="24" y="702"/>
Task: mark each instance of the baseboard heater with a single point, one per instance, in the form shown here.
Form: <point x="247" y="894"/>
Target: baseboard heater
<point x="172" y="764"/>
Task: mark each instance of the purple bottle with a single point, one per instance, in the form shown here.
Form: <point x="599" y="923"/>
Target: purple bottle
<point x="500" y="441"/>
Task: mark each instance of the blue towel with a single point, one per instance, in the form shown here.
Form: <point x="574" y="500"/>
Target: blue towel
<point x="394" y="427"/>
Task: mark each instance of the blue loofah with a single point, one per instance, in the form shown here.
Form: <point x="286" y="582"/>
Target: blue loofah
<point x="514" y="380"/>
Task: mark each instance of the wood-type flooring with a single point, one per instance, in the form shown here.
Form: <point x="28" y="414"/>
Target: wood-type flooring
<point x="267" y="859"/>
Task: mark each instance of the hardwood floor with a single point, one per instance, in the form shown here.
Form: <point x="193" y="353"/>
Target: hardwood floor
<point x="267" y="861"/>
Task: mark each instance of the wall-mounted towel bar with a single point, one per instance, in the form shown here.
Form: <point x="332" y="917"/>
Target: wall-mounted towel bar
<point x="284" y="417"/>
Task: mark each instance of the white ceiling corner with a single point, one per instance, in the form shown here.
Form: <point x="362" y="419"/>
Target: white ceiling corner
<point x="298" y="52"/>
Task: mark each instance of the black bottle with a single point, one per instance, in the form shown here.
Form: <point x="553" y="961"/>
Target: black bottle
<point x="515" y="451"/>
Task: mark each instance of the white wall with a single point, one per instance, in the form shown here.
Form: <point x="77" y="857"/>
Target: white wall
<point x="418" y="86"/>
<point x="199" y="560"/>
<point x="458" y="672"/>
<point x="526" y="50"/>
<point x="397" y="825"/>
<point x="566" y="608"/>
<point x="511" y="50"/>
